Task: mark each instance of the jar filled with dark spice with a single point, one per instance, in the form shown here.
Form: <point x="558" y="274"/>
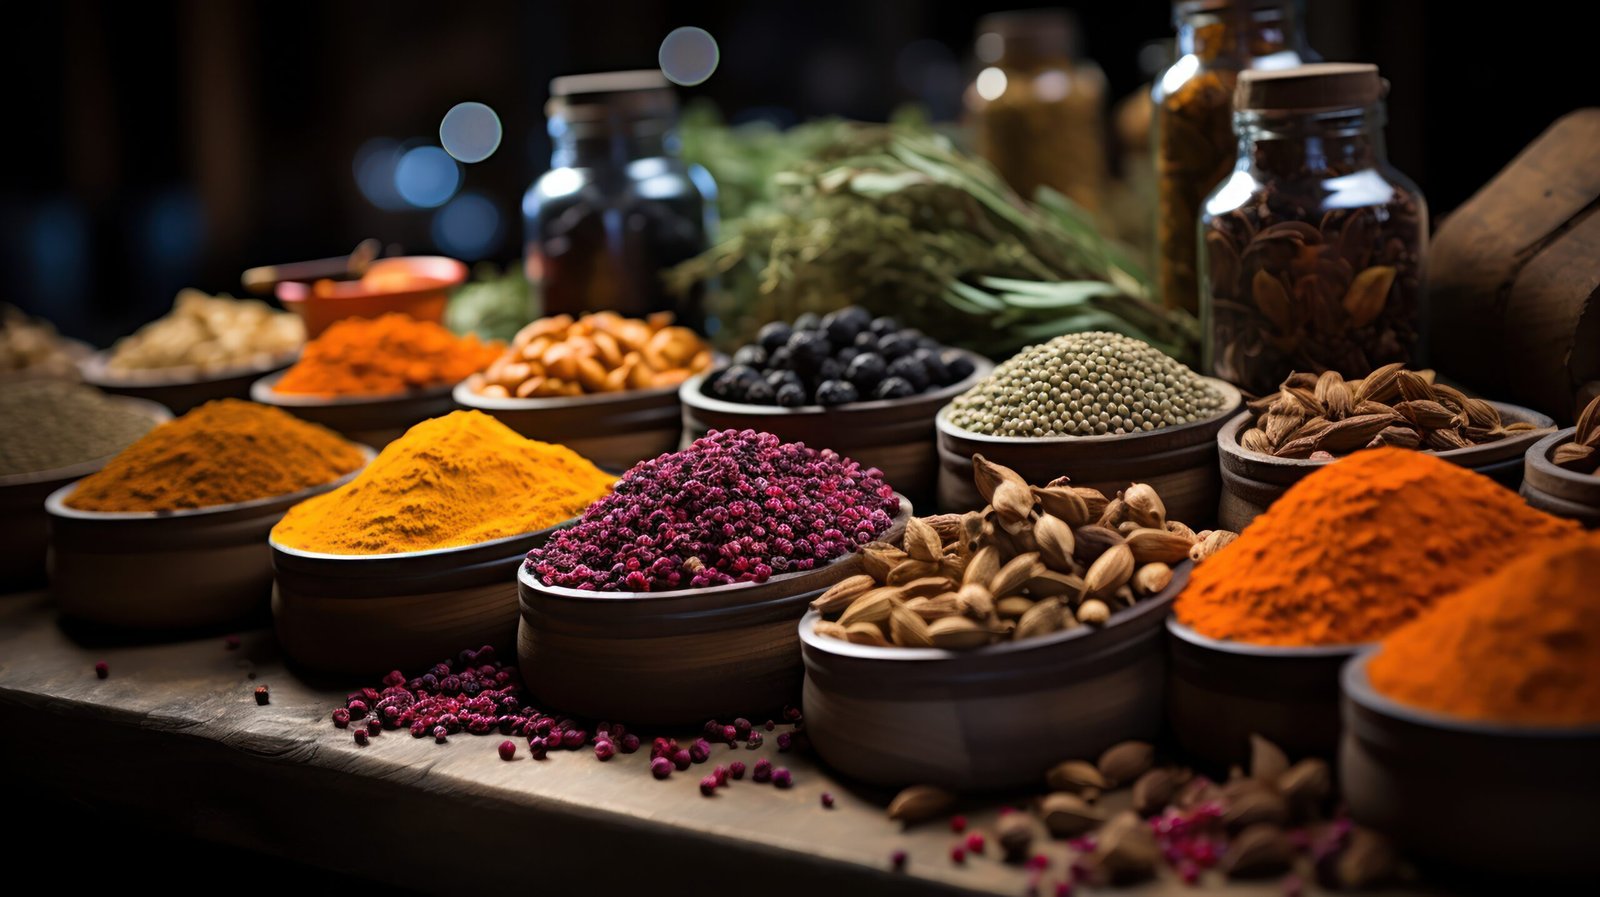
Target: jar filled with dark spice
<point x="617" y="206"/>
<point x="1193" y="98"/>
<point x="1037" y="107"/>
<point x="1314" y="246"/>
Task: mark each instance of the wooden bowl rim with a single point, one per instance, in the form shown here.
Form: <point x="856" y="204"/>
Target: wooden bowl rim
<point x="414" y="555"/>
<point x="1539" y="457"/>
<point x="692" y="395"/>
<point x="1358" y="689"/>
<point x="1250" y="649"/>
<point x="298" y="292"/>
<point x="262" y="391"/>
<point x="464" y="396"/>
<point x="1158" y="603"/>
<point x="1228" y="441"/>
<point x="56" y="504"/>
<point x="96" y="373"/>
<point x="528" y="580"/>
<point x="153" y="410"/>
<point x="1231" y="401"/>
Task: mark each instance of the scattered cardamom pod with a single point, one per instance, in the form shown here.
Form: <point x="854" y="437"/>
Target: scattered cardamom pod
<point x="1369" y="860"/>
<point x="1306" y="786"/>
<point x="982" y="566"/>
<point x="957" y="634"/>
<point x="839" y="596"/>
<point x="1064" y="504"/>
<point x="1051" y="584"/>
<point x="907" y="628"/>
<point x="1256" y="803"/>
<point x="866" y="634"/>
<point x="1211" y="542"/>
<point x="1151" y="579"/>
<point x="988" y="476"/>
<point x="1257" y="852"/>
<point x="830" y="629"/>
<point x="1013" y="606"/>
<point x="1268" y="763"/>
<point x="1109" y="570"/>
<point x="1076" y="777"/>
<point x="1089" y="542"/>
<point x="911" y="569"/>
<point x="1093" y="612"/>
<point x="1014" y="831"/>
<point x="1017" y="571"/>
<point x="1054" y="538"/>
<point x="1154" y="790"/>
<point x="920" y="803"/>
<point x="1068" y="815"/>
<point x="1041" y="619"/>
<point x="1126" y="851"/>
<point x="922" y="543"/>
<point x="873" y="607"/>
<point x="976" y="599"/>
<point x="1125" y="761"/>
<point x="1145" y="505"/>
<point x="1150" y="545"/>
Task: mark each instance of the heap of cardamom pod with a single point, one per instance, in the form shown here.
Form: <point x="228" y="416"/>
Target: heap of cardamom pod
<point x="1582" y="454"/>
<point x="1318" y="417"/>
<point x="1036" y="560"/>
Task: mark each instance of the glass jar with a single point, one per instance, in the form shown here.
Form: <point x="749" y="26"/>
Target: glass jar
<point x="1217" y="39"/>
<point x="1314" y="247"/>
<point x="617" y="207"/>
<point x="1036" y="111"/>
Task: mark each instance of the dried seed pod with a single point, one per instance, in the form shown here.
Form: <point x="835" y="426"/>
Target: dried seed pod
<point x="1109" y="570"/>
<point x="1014" y="831"/>
<point x="937" y="607"/>
<point x="952" y="569"/>
<point x="1445" y="440"/>
<point x="1413" y="385"/>
<point x="1051" y="584"/>
<point x="927" y="587"/>
<point x="1089" y="542"/>
<point x="1145" y="505"/>
<point x="1123" y="762"/>
<point x="1076" y="776"/>
<point x="1123" y="595"/>
<point x="1368" y="294"/>
<point x="946" y="526"/>
<point x="1214" y="542"/>
<point x="1013" y="502"/>
<point x="866" y="634"/>
<point x="1369" y="860"/>
<point x="1054" y="538"/>
<point x="878" y="558"/>
<point x="982" y="566"/>
<point x="907" y="629"/>
<point x="957" y="634"/>
<point x="1041" y="619"/>
<point x="1267" y="761"/>
<point x="1573" y="456"/>
<point x="1013" y="606"/>
<point x="922" y="543"/>
<point x="1068" y="815"/>
<point x="1154" y="790"/>
<point x="839" y="596"/>
<point x="1116" y="511"/>
<point x="1250" y="802"/>
<point x="1151" y="546"/>
<point x="1399" y="437"/>
<point x="1126" y="851"/>
<point x="1064" y="504"/>
<point x="873" y="607"/>
<point x="1094" y="612"/>
<point x="1427" y="414"/>
<point x="830" y="630"/>
<point x="1380" y="385"/>
<point x="1151" y="578"/>
<point x="988" y="476"/>
<point x="1017" y="571"/>
<point x="976" y="600"/>
<point x="1306" y="785"/>
<point x="1179" y="528"/>
<point x="971" y="530"/>
<point x="1258" y="441"/>
<point x="910" y="571"/>
<point x="920" y="803"/>
<point x="1260" y="850"/>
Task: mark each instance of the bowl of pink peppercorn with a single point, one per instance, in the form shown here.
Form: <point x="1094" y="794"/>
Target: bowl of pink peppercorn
<point x="675" y="598"/>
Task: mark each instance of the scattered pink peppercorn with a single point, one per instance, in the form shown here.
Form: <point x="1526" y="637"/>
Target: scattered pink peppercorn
<point x="262" y="695"/>
<point x="661" y="767"/>
<point x="782" y="778"/>
<point x="1038" y="862"/>
<point x="441" y="734"/>
<point x="700" y="751"/>
<point x="785" y="741"/>
<point x="1188" y="872"/>
<point x="341" y="717"/>
<point x="754" y="741"/>
<point x="898" y="860"/>
<point x="572" y="739"/>
<point x="629" y="743"/>
<point x="537" y="748"/>
<point x="711" y="729"/>
<point x="231" y="643"/>
<point x="605" y="750"/>
<point x="730" y="734"/>
<point x="1063" y="889"/>
<point x="827" y="800"/>
<point x="741" y="727"/>
<point x="958" y="855"/>
<point x="681" y="759"/>
<point x="708" y="786"/>
<point x="762" y="771"/>
<point x="769" y="725"/>
<point x="102" y="669"/>
<point x="791" y="713"/>
<point x="736" y="769"/>
<point x="508" y="749"/>
<point x="975" y="843"/>
<point x="374" y="727"/>
<point x="362" y="737"/>
<point x="958" y="823"/>
<point x="721" y="774"/>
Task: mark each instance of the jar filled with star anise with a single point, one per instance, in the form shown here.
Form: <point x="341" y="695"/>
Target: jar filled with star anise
<point x="1313" y="250"/>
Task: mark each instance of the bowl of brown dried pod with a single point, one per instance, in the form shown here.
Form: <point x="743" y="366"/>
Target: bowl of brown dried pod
<point x="1561" y="472"/>
<point x="1314" y="419"/>
<point x="981" y="646"/>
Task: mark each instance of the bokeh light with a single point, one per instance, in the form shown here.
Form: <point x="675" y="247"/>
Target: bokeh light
<point x="468" y="227"/>
<point x="688" y="56"/>
<point x="1052" y="86"/>
<point x="991" y="83"/>
<point x="374" y="168"/>
<point x="426" y="176"/>
<point x="470" y="132"/>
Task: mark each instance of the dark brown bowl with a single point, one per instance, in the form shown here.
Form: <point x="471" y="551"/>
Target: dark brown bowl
<point x="1510" y="800"/>
<point x="1180" y="462"/>
<point x="181" y="388"/>
<point x="1222" y="692"/>
<point x="990" y="718"/>
<point x="615" y="430"/>
<point x="370" y="420"/>
<point x="1251" y="482"/>
<point x="894" y="435"/>
<point x="1564" y="493"/>
<point x="671" y="658"/>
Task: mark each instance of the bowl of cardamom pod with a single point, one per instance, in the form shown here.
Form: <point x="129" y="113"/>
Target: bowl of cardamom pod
<point x="1102" y="408"/>
<point x="1561" y="473"/>
<point x="982" y="647"/>
<point x="1315" y="419"/>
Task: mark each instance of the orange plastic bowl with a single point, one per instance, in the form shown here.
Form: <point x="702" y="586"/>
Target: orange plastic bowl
<point x="417" y="285"/>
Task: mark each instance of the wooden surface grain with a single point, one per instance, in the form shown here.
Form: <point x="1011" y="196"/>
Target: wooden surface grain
<point x="175" y="734"/>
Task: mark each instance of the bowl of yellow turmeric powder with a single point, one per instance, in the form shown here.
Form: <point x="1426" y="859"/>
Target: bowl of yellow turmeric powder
<point x="1471" y="733"/>
<point x="179" y="519"/>
<point x="416" y="558"/>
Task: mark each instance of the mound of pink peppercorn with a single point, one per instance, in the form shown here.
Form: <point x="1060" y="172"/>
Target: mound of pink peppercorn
<point x="735" y="506"/>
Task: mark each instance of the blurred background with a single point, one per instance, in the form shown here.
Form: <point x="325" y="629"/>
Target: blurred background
<point x="158" y="145"/>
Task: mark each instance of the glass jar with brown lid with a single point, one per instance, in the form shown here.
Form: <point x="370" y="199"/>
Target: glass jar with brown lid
<point x="1037" y="108"/>
<point x="1216" y="39"/>
<point x="1314" y="247"/>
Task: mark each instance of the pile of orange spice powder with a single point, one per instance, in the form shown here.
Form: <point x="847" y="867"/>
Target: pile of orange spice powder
<point x="1522" y="646"/>
<point x="1359" y="548"/>
<point x="387" y="355"/>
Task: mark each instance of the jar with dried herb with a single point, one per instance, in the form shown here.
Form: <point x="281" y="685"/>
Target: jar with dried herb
<point x="1216" y="39"/>
<point x="1314" y="246"/>
<point x="1037" y="108"/>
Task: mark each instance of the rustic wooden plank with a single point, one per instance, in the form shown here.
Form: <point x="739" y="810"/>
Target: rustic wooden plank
<point x="176" y="734"/>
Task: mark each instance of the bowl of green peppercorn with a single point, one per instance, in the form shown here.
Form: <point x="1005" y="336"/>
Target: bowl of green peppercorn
<point x="864" y="387"/>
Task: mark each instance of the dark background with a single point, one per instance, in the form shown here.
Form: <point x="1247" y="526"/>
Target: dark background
<point x="156" y="145"/>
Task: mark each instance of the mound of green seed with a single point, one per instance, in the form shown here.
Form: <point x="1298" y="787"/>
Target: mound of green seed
<point x="1085" y="384"/>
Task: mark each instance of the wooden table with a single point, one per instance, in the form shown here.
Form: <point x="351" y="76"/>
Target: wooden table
<point x="175" y="734"/>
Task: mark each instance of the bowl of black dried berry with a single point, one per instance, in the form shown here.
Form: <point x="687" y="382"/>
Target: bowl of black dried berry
<point x="865" y="387"/>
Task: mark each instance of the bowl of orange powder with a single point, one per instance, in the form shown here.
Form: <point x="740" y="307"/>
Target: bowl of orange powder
<point x="1349" y="554"/>
<point x="416" y="286"/>
<point x="1471" y="733"/>
<point x="172" y="532"/>
<point x="373" y="378"/>
<point x="418" y="555"/>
